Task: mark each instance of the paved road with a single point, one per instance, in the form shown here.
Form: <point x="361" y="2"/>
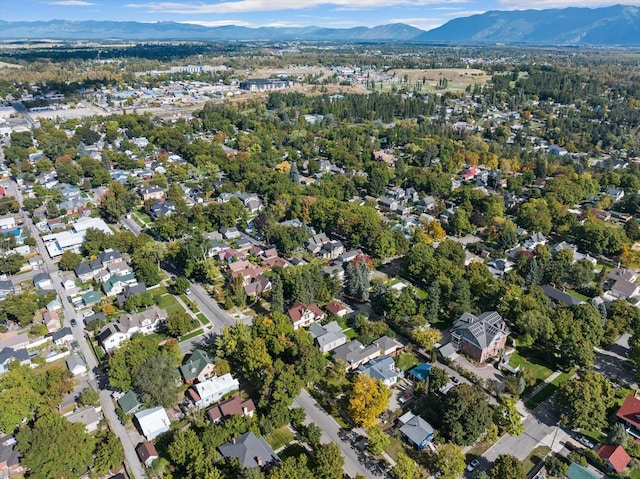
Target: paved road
<point x="19" y="107"/>
<point x="108" y="406"/>
<point x="131" y="225"/>
<point x="330" y="428"/>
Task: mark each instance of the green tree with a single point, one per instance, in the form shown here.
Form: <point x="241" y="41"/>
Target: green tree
<point x="357" y="282"/>
<point x="426" y="337"/>
<point x="277" y="295"/>
<point x="383" y="245"/>
<point x="180" y="285"/>
<point x="69" y="260"/>
<point x="329" y="461"/>
<point x="508" y="417"/>
<point x="438" y="378"/>
<point x="311" y="434"/>
<point x="405" y="468"/>
<point x="54" y="447"/>
<point x="508" y="467"/>
<point x="10" y="263"/>
<point x="466" y="415"/>
<point x="154" y="382"/>
<point x="535" y="216"/>
<point x="378" y="440"/>
<point x="450" y="460"/>
<point x="89" y="397"/>
<point x="292" y="468"/>
<point x="180" y="323"/>
<point x="618" y="435"/>
<point x="583" y="402"/>
<point x="109" y="454"/>
<point x="146" y="271"/>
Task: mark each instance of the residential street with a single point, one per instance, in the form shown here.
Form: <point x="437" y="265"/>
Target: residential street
<point x="108" y="406"/>
<point x="330" y="429"/>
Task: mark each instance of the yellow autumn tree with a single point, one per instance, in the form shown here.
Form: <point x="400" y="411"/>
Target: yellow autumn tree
<point x="426" y="337"/>
<point x="367" y="400"/>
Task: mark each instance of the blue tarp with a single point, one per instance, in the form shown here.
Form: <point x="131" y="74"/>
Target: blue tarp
<point x="421" y="371"/>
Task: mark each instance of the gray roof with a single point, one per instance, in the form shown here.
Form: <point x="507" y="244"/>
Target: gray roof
<point x="381" y="368"/>
<point x="416" y="429"/>
<point x="6" y="286"/>
<point x="10" y="354"/>
<point x="354" y="351"/>
<point x="61" y="334"/>
<point x="482" y="330"/>
<point x="8" y="453"/>
<point x="74" y="361"/>
<point x="248" y="449"/>
<point x="41" y="277"/>
<point x="560" y="296"/>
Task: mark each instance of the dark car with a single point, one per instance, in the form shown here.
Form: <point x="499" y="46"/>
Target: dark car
<point x="74" y="323"/>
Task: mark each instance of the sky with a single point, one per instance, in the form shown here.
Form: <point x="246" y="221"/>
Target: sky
<point x="424" y="14"/>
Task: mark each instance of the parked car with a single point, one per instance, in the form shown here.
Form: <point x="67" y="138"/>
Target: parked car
<point x="74" y="323"/>
<point x="74" y="346"/>
<point x="405" y="397"/>
<point x="473" y="464"/>
<point x="586" y="442"/>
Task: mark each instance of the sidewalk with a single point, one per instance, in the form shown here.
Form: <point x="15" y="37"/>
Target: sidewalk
<point x="541" y="386"/>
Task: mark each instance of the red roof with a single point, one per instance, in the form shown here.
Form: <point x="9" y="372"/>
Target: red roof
<point x="299" y="309"/>
<point x="146" y="450"/>
<point x="615" y="455"/>
<point x="629" y="412"/>
<point x="334" y="307"/>
<point x="236" y="406"/>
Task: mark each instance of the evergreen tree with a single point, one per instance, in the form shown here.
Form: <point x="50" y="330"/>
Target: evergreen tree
<point x="534" y="273"/>
<point x="277" y="295"/>
<point x="294" y="174"/>
<point x="357" y="280"/>
<point x="632" y="229"/>
<point x="433" y="306"/>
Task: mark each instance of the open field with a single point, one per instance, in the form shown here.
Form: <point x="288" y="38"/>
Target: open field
<point x="455" y="76"/>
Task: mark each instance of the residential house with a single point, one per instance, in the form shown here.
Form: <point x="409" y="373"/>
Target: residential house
<point x="499" y="267"/>
<point x="109" y="260"/>
<point x="94" y="317"/>
<point x="10" y="458"/>
<point x="51" y="320"/>
<point x="629" y="414"/>
<point x="117" y="283"/>
<point x="415" y="430"/>
<point x="350" y="255"/>
<point x="338" y="308"/>
<point x="152" y="192"/>
<point x="387" y="346"/>
<point x="212" y="390"/>
<point x="152" y="422"/>
<point x="8" y="355"/>
<point x="7" y="223"/>
<point x="331" y="250"/>
<point x="388" y="204"/>
<point x="145" y="322"/>
<point x="420" y="372"/>
<point x="328" y="337"/>
<point x="617" y="193"/>
<point x="230" y="233"/>
<point x="480" y="337"/>
<point x="147" y="453"/>
<point x="558" y="297"/>
<point x="131" y="290"/>
<point x="624" y="289"/>
<point x="17" y="341"/>
<point x="251" y="451"/>
<point x="354" y="354"/>
<point x="6" y="288"/>
<point x="90" y="416"/>
<point x="162" y="208"/>
<point x="314" y="244"/>
<point x="382" y="368"/>
<point x="258" y="286"/>
<point x="302" y="316"/>
<point x="199" y="367"/>
<point x="62" y="337"/>
<point x="235" y="406"/>
<point x="76" y="364"/>
<point x="36" y="263"/>
<point x="536" y="239"/>
<point x="129" y="403"/>
<point x="90" y="297"/>
<point x="42" y="281"/>
<point x="615" y="456"/>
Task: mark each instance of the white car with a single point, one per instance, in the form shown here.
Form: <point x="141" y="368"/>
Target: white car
<point x="472" y="465"/>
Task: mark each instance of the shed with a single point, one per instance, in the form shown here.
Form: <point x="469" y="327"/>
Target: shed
<point x="420" y="372"/>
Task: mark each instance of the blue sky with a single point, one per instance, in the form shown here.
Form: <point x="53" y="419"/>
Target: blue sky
<point x="423" y="14"/>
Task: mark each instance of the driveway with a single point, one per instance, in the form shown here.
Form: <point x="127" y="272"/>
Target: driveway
<point x="330" y="429"/>
<point x="613" y="363"/>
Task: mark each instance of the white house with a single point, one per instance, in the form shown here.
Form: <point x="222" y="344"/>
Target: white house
<point x="146" y="322"/>
<point x="152" y="422"/>
<point x="328" y="337"/>
<point x="76" y="365"/>
<point x="210" y="391"/>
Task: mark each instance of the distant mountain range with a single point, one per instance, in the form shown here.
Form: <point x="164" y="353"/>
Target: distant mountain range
<point x="616" y="25"/>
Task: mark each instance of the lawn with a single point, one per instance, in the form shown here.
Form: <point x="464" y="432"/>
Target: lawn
<point x="167" y="300"/>
<point x="203" y="319"/>
<point x="406" y="361"/>
<point x="395" y="447"/>
<point x="537" y="455"/>
<point x="191" y="335"/>
<point x="350" y="333"/>
<point x="539" y="371"/>
<point x="581" y="297"/>
<point x="548" y="391"/>
<point x="279" y="438"/>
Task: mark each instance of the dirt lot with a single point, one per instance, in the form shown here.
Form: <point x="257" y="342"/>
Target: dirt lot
<point x="461" y="76"/>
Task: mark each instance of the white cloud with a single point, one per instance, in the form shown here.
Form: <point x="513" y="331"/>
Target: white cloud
<point x="423" y="23"/>
<point x="72" y="3"/>
<point x="237" y="6"/>
<point x="218" y="23"/>
<point x="542" y="4"/>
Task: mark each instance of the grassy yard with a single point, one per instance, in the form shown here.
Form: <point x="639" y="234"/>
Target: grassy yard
<point x="279" y="438"/>
<point x="406" y="361"/>
<point x="581" y="297"/>
<point x="294" y="450"/>
<point x="203" y="319"/>
<point x="537" y="455"/>
<point x="395" y="447"/>
<point x="548" y="390"/>
<point x="174" y="307"/>
<point x="350" y="333"/>
<point x="191" y="335"/>
<point x="167" y="300"/>
<point x="539" y="371"/>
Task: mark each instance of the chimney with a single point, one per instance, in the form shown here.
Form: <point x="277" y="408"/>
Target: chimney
<point x="259" y="461"/>
<point x="234" y="440"/>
